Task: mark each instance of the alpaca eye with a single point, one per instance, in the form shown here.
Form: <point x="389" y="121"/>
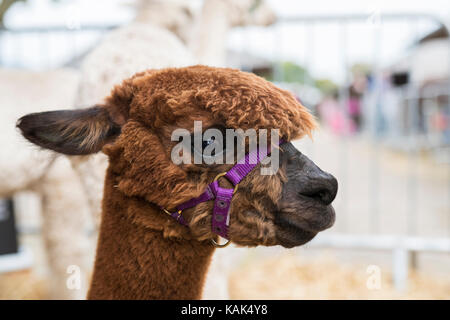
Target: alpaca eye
<point x="211" y="147"/>
<point x="212" y="144"/>
<point x="208" y="142"/>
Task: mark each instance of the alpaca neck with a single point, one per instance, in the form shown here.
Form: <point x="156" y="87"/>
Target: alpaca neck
<point x="209" y="42"/>
<point x="135" y="262"/>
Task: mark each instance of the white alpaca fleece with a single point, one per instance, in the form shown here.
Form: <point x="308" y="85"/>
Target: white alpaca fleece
<point x="125" y="51"/>
<point x="23" y="92"/>
<point x="24" y="166"/>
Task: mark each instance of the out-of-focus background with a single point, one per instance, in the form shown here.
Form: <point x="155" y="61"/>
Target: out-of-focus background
<point x="375" y="73"/>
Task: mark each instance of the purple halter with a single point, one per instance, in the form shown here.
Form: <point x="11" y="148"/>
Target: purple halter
<point x="223" y="196"/>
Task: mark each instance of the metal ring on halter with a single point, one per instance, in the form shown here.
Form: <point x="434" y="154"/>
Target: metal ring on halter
<point x="170" y="214"/>
<point x="222" y="175"/>
<point x="218" y="245"/>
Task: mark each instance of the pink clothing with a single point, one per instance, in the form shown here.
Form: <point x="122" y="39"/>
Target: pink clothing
<point x="335" y="118"/>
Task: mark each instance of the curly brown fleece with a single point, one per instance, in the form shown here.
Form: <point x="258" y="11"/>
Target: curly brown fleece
<point x="142" y="252"/>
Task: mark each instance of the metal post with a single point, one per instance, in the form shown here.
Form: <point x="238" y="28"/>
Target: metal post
<point x="412" y="194"/>
<point x="400" y="266"/>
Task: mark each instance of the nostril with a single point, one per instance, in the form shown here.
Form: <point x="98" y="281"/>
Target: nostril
<point x="321" y="195"/>
<point x="324" y="194"/>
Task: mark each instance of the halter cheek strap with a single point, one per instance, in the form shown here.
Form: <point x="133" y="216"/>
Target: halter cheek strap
<point x="222" y="196"/>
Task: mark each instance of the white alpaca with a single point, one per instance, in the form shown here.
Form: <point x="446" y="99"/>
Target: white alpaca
<point x="25" y="168"/>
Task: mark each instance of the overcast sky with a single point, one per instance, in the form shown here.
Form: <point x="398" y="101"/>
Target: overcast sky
<point x="325" y="47"/>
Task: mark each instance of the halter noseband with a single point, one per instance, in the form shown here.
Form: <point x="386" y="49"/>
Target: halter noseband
<point x="222" y="196"/>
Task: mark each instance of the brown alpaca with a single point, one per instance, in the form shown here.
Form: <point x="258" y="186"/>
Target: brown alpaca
<point x="143" y="253"/>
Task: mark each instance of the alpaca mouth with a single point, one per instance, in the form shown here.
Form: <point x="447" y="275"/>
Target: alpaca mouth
<point x="294" y="230"/>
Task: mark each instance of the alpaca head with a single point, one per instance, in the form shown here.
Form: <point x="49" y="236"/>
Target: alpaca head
<point x="135" y="127"/>
<point x="179" y="16"/>
<point x="249" y="12"/>
<point x="174" y="15"/>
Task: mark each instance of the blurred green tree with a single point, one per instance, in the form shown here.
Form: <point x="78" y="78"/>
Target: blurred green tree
<point x="327" y="87"/>
<point x="292" y="72"/>
<point x="288" y="71"/>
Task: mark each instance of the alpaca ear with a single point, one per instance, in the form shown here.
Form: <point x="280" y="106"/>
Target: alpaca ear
<point x="71" y="132"/>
